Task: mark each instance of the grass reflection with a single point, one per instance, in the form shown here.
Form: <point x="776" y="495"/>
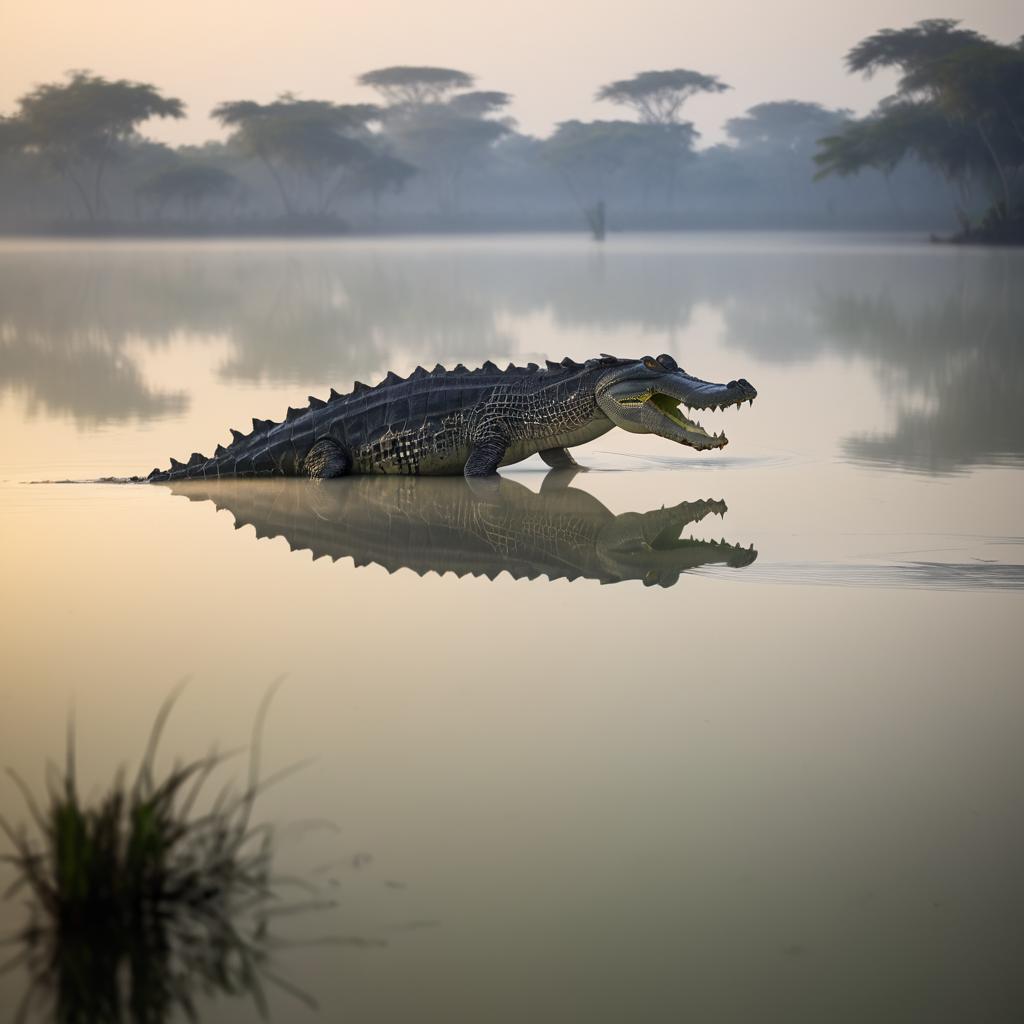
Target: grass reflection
<point x="137" y="903"/>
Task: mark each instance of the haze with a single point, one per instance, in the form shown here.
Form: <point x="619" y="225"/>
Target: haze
<point x="551" y="57"/>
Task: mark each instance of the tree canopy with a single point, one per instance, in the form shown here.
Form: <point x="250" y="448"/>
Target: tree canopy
<point x="786" y="124"/>
<point x="479" y="104"/>
<point x="315" y="138"/>
<point x="959" y="107"/>
<point x="77" y="125"/>
<point x="443" y="141"/>
<point x="191" y="184"/>
<point x="415" y="85"/>
<point x="658" y="96"/>
<point x="591" y="155"/>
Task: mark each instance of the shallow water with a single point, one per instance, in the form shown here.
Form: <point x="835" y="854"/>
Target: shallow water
<point x="772" y="772"/>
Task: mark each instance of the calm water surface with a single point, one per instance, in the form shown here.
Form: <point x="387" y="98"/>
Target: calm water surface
<point x="753" y="754"/>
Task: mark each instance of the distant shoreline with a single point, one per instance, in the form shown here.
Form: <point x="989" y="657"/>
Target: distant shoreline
<point x="276" y="230"/>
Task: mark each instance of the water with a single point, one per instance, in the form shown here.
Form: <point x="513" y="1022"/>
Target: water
<point x="777" y="777"/>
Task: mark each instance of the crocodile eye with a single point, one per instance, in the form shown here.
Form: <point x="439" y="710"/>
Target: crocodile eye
<point x="668" y="362"/>
<point x="651" y="364"/>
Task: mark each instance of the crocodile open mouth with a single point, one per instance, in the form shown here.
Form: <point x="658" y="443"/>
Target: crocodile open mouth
<point x="671" y="539"/>
<point x="669" y="408"/>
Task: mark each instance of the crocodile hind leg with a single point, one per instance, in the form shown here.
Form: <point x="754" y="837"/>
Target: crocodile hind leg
<point x="559" y="458"/>
<point x="326" y="459"/>
<point x="485" y="457"/>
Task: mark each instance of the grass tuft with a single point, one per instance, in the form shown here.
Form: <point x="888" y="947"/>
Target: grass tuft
<point x="134" y="899"/>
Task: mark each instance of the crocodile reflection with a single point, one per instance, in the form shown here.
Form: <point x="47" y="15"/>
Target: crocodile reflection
<point x="451" y="525"/>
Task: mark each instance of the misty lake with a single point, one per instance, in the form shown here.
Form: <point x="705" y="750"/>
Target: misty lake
<point x="774" y="772"/>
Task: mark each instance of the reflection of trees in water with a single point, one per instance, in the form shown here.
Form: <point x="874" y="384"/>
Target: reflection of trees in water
<point x="949" y="357"/>
<point x="938" y="325"/>
<point x="91" y="384"/>
<point x="431" y="524"/>
<point x="942" y="331"/>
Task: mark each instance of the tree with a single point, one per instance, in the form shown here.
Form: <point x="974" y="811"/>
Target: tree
<point x="437" y="129"/>
<point x="191" y="184"/>
<point x="381" y="173"/>
<point x="658" y="96"/>
<point x="592" y="156"/>
<point x="959" y="107"/>
<point x="79" y="126"/>
<point x="402" y="84"/>
<point x="444" y="143"/>
<point x="778" y="141"/>
<point x="787" y="125"/>
<point x="479" y="104"/>
<point x="315" y="139"/>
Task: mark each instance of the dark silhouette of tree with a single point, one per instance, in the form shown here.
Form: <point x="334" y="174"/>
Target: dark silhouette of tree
<point x="479" y="104"/>
<point x="443" y="142"/>
<point x="79" y="126"/>
<point x="658" y="96"/>
<point x="318" y="140"/>
<point x="191" y="185"/>
<point x="591" y="157"/>
<point x="381" y="174"/>
<point x="779" y="140"/>
<point x="959" y="107"/>
<point x="790" y="125"/>
<point x="913" y="51"/>
<point x="415" y="85"/>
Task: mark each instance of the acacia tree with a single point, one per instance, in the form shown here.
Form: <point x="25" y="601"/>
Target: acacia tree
<point x="382" y="173"/>
<point x="789" y="125"/>
<point x="190" y="184"/>
<point x="436" y="128"/>
<point x="658" y="96"/>
<point x="591" y="156"/>
<point x="479" y="103"/>
<point x="778" y="140"/>
<point x="444" y="143"/>
<point x="315" y="139"/>
<point x="959" y="107"/>
<point x="403" y="84"/>
<point x="79" y="126"/>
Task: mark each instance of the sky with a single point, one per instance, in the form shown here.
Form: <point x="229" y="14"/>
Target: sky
<point x="551" y="56"/>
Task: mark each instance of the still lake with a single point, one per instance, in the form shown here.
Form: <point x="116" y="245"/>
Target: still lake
<point x="569" y="776"/>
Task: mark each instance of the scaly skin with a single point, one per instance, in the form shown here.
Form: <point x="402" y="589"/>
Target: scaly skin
<point x="445" y="422"/>
<point x="473" y="528"/>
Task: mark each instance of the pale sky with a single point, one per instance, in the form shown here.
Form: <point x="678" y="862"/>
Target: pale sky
<point x="550" y="54"/>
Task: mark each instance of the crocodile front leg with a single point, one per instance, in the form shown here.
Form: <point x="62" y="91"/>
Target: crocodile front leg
<point x="485" y="457"/>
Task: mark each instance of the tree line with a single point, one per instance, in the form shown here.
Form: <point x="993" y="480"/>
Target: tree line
<point x="73" y="150"/>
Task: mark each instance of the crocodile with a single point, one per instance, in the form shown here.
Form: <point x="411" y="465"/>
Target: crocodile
<point x="444" y="422"/>
<point x="469" y="529"/>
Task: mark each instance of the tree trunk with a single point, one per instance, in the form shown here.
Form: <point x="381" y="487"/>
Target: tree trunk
<point x="285" y="199"/>
<point x="101" y="164"/>
<point x="86" y="201"/>
<point x="998" y="166"/>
